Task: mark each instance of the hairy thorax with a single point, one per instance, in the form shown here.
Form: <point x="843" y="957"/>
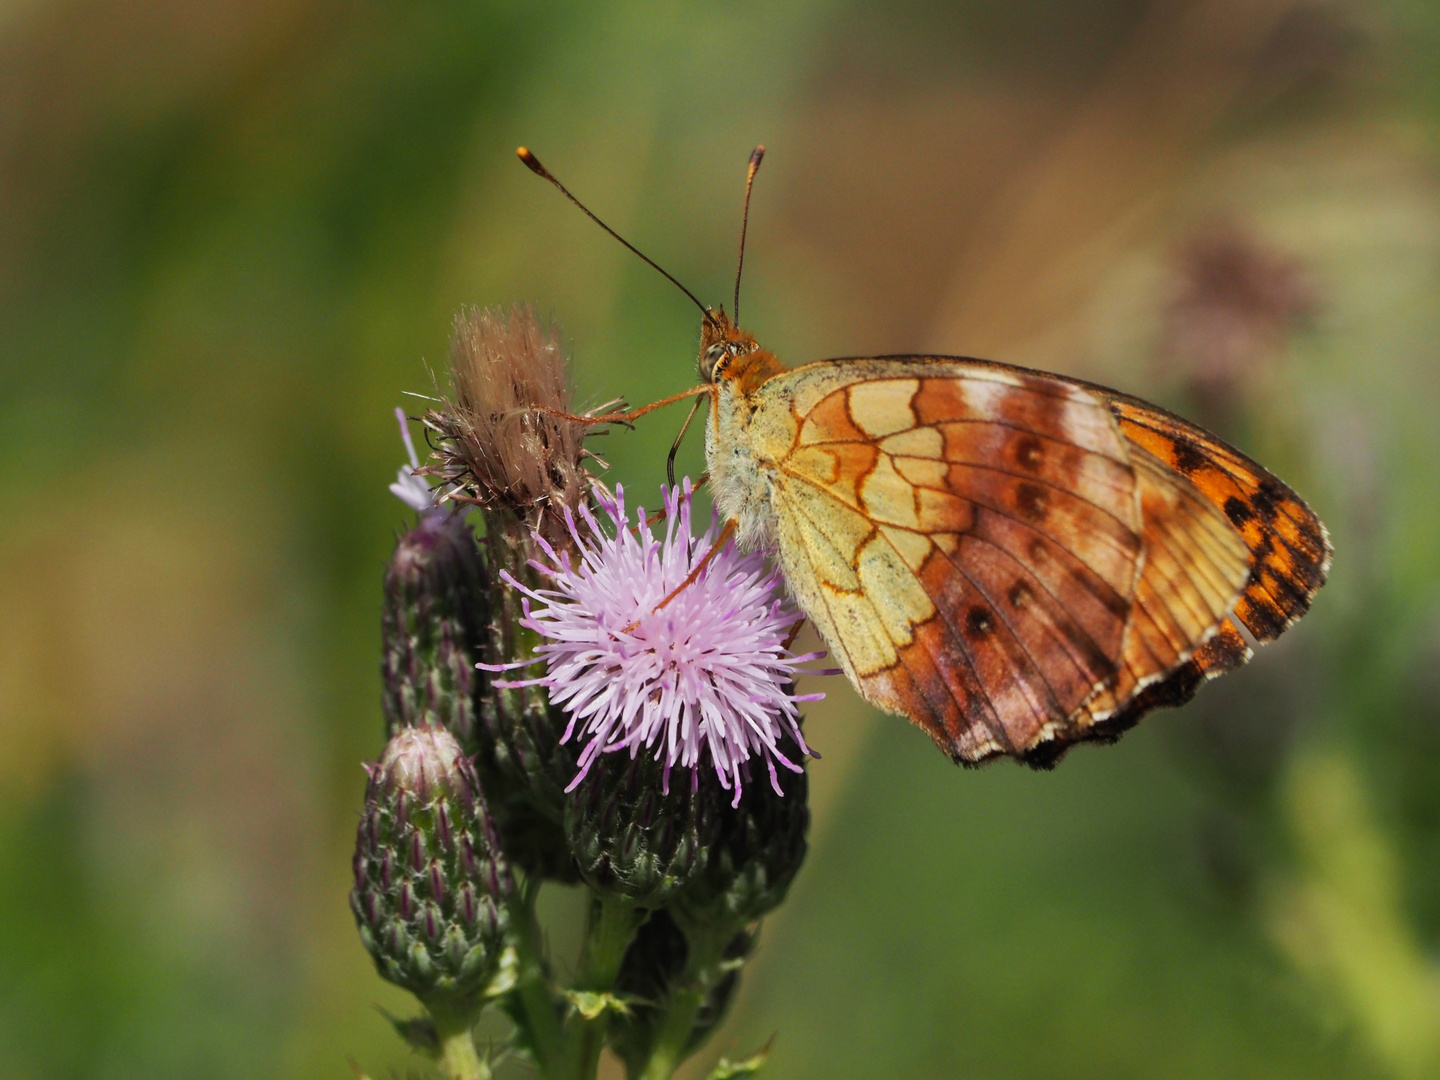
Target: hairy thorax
<point x="739" y="452"/>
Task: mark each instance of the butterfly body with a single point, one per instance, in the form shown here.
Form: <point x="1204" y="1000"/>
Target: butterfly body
<point x="1013" y="560"/>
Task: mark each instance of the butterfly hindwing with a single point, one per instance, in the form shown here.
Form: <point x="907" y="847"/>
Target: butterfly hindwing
<point x="1195" y="566"/>
<point x="1289" y="546"/>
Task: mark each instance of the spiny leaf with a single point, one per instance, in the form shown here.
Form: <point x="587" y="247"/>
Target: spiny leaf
<point x="742" y="1070"/>
<point x="591" y="1005"/>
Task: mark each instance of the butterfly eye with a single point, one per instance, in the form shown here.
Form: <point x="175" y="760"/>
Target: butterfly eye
<point x="711" y="358"/>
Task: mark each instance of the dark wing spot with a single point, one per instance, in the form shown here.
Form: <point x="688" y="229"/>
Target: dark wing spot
<point x="1029" y="453"/>
<point x="1268" y="498"/>
<point x="1188" y="457"/>
<point x="977" y="622"/>
<point x="1237" y="511"/>
<point x="1030" y="501"/>
<point x="1019" y="594"/>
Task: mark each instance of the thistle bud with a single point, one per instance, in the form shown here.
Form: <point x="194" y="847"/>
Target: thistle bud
<point x="753" y="860"/>
<point x="634" y="840"/>
<point x="437" y="606"/>
<point x="431" y="884"/>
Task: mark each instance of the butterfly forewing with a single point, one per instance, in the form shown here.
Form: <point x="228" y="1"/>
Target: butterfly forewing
<point x="970" y="541"/>
<point x="1015" y="561"/>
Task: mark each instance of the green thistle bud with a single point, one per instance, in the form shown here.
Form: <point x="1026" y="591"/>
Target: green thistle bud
<point x="631" y="839"/>
<point x="430" y="882"/>
<point x="654" y="967"/>
<point x="437" y="606"/>
<point x="524" y="765"/>
<point x="753" y="860"/>
<point x="444" y="610"/>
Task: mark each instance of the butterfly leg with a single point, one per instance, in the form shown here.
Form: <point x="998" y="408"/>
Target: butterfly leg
<point x="633" y="414"/>
<point x="675" y="446"/>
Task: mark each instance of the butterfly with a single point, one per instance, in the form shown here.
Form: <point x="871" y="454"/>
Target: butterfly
<point x="1013" y="560"/>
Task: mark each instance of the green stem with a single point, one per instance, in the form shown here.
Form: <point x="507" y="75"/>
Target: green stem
<point x="612" y="925"/>
<point x="536" y="1005"/>
<point x="682" y="1006"/>
<point x="459" y="1060"/>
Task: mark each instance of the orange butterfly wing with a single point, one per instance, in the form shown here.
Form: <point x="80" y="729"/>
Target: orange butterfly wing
<point x="1288" y="543"/>
<point x="990" y="552"/>
<point x="1289" y="547"/>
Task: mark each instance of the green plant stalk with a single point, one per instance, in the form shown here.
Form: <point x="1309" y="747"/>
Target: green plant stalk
<point x="682" y="1008"/>
<point x="458" y="1058"/>
<point x="534" y="1005"/>
<point x="613" y="923"/>
<point x="702" y="970"/>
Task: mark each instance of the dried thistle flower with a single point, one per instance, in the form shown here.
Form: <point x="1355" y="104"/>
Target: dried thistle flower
<point x="499" y="441"/>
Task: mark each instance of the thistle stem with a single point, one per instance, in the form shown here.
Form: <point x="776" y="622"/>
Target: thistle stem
<point x="612" y="925"/>
<point x="458" y="1058"/>
<point x="683" y="1004"/>
<point x="682" y="1009"/>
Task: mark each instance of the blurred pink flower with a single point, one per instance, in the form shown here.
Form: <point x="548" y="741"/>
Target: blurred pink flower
<point x="410" y="489"/>
<point x="710" y="674"/>
<point x="1236" y="301"/>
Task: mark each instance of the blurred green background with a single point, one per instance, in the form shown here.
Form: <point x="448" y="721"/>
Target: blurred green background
<point x="233" y="235"/>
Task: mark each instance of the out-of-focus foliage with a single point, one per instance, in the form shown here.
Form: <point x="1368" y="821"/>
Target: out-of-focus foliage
<point x="233" y="235"/>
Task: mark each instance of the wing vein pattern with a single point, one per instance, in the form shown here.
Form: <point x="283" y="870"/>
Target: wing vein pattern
<point x="1017" y="561"/>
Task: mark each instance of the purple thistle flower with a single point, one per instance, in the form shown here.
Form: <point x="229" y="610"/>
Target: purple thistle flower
<point x="711" y="673"/>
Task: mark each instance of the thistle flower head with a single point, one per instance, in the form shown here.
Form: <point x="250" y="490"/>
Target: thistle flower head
<point x="501" y="442"/>
<point x="706" y="681"/>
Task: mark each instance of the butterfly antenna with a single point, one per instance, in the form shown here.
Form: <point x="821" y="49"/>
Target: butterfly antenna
<point x="756" y="156"/>
<point x="533" y="164"/>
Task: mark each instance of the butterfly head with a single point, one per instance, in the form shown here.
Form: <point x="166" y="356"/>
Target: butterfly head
<point x="728" y="352"/>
